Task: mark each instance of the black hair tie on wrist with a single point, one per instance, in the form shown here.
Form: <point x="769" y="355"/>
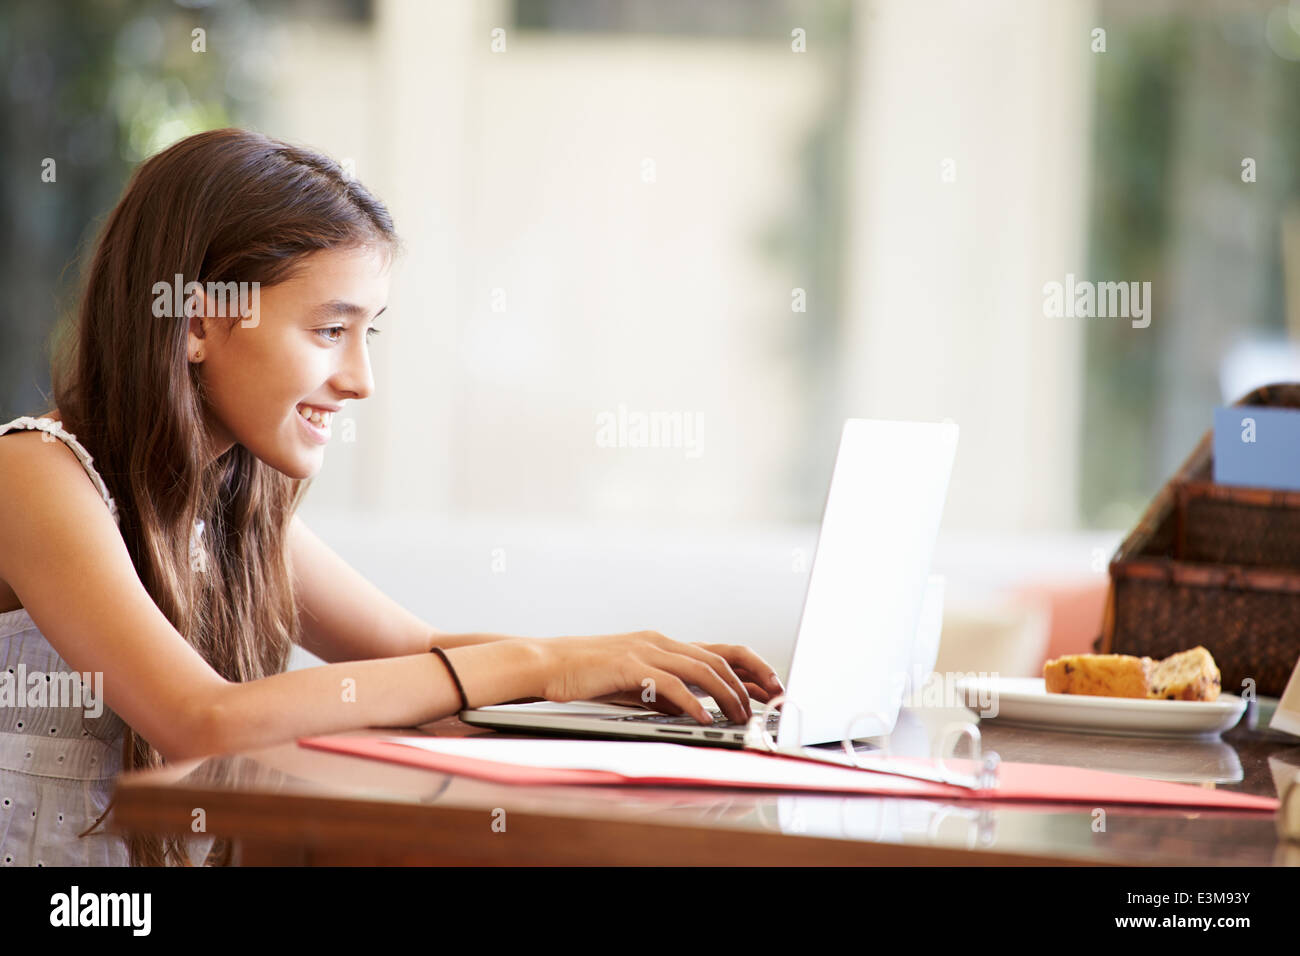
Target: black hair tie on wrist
<point x="464" y="703"/>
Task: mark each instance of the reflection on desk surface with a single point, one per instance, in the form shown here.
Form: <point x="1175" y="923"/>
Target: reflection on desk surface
<point x="1202" y="761"/>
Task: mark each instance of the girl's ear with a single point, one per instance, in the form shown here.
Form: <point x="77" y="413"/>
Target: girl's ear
<point x="198" y="332"/>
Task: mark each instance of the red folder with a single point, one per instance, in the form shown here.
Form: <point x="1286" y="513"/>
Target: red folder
<point x="1016" y="781"/>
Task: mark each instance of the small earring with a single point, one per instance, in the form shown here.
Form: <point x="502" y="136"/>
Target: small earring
<point x="198" y="356"/>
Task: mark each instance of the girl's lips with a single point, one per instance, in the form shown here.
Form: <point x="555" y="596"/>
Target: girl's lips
<point x="318" y="436"/>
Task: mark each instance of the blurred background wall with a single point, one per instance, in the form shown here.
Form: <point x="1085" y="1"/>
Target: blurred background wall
<point x="757" y="217"/>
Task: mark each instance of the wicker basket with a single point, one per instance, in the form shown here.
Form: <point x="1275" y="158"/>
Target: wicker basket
<point x="1213" y="565"/>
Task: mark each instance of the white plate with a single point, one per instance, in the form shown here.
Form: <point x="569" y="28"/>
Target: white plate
<point x="1025" y="700"/>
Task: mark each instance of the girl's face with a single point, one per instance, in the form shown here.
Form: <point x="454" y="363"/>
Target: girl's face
<point x="305" y="346"/>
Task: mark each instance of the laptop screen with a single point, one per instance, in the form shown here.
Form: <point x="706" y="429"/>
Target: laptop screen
<point x="868" y="579"/>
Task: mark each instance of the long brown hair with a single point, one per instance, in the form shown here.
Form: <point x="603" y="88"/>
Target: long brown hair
<point x="226" y="205"/>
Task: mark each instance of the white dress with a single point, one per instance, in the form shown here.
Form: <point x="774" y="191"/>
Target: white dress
<point x="57" y="766"/>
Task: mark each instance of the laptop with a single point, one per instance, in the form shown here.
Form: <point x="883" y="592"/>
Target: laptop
<point x="866" y="592"/>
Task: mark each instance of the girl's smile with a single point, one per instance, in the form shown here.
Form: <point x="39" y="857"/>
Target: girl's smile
<point x="316" y="422"/>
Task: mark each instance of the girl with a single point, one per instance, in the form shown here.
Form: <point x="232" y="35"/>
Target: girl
<point x="148" y="529"/>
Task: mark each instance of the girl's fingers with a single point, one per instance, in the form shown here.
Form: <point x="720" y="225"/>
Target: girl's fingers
<point x="690" y="669"/>
<point x="752" y="684"/>
<point x="672" y="688"/>
<point x="739" y="656"/>
<point x="719" y="669"/>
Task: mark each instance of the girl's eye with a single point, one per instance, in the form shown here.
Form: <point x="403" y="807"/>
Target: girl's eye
<point x="338" y="328"/>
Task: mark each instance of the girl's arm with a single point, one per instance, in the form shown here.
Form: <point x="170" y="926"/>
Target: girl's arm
<point x="388" y="692"/>
<point x="346" y="618"/>
<point x="66" y="561"/>
<point x="63" y="556"/>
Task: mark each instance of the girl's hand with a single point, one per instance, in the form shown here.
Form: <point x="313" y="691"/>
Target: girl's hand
<point x="619" y="667"/>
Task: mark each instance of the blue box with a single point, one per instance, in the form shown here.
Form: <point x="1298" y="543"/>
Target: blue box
<point x="1257" y="447"/>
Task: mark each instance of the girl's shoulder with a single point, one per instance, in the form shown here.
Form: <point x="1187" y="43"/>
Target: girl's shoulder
<point x="53" y="518"/>
<point x="23" y="459"/>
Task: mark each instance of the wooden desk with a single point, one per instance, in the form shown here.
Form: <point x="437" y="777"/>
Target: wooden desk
<point x="288" y="805"/>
